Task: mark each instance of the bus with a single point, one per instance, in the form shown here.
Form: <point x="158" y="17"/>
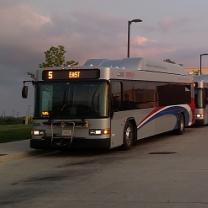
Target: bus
<point x="110" y="103"/>
<point x="201" y="99"/>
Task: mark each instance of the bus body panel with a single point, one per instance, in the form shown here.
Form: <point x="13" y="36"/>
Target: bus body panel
<point x="118" y="122"/>
<point x="149" y="122"/>
<point x="58" y="130"/>
<point x="163" y="120"/>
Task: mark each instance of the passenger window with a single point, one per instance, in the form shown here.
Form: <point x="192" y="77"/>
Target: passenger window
<point x="116" y="95"/>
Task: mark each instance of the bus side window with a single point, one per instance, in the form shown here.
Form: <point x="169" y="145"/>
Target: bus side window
<point x="173" y="94"/>
<point x="115" y="96"/>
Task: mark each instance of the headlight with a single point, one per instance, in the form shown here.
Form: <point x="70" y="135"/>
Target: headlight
<point x="99" y="131"/>
<point x="200" y="116"/>
<point x="38" y="132"/>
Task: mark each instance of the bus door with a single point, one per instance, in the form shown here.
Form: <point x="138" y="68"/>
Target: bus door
<point x="117" y="121"/>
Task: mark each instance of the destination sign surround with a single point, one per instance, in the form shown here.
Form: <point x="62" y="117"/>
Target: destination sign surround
<point x="70" y="74"/>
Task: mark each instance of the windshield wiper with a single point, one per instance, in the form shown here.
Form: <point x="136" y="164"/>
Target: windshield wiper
<point x="64" y="103"/>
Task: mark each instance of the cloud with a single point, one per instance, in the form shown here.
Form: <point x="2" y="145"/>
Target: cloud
<point x="142" y="41"/>
<point x="85" y="36"/>
<point x="28" y="33"/>
<point x="21" y="24"/>
<point x="31" y="33"/>
<point x="21" y="17"/>
<point x="21" y="36"/>
<point x="147" y="47"/>
<point x="168" y="24"/>
<point x="188" y="56"/>
<point x="156" y="52"/>
<point x="10" y="91"/>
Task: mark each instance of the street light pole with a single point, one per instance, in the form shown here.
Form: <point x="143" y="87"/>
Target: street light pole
<point x="200" y="65"/>
<point x="129" y="24"/>
<point x="128" y="47"/>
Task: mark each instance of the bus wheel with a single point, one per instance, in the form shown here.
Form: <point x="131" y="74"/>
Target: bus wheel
<point x="181" y="124"/>
<point x="128" y="136"/>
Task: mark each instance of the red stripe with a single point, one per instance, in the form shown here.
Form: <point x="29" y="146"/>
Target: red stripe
<point x="152" y="112"/>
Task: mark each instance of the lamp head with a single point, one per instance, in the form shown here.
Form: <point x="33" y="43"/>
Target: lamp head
<point x="136" y="20"/>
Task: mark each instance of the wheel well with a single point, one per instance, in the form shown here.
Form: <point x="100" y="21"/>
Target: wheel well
<point x="132" y="121"/>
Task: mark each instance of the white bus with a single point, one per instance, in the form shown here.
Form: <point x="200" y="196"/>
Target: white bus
<point x="110" y="103"/>
<point x="201" y="99"/>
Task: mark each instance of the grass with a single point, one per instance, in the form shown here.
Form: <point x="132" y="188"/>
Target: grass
<point x="14" y="132"/>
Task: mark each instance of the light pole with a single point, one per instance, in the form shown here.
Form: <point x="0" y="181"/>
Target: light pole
<point x="200" y="65"/>
<point x="129" y="24"/>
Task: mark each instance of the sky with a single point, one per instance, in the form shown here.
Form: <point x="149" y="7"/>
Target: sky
<point x="177" y="30"/>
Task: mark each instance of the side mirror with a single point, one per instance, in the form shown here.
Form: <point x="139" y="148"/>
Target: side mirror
<point x="25" y="91"/>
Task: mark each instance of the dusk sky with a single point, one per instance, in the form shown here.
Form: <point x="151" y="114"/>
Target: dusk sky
<point x="94" y="29"/>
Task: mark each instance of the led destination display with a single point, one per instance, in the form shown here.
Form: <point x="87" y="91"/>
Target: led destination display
<point x="63" y="74"/>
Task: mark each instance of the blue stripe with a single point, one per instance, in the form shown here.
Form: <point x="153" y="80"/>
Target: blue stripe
<point x="173" y="110"/>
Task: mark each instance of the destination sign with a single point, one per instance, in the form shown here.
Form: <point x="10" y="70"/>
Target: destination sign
<point x="68" y="74"/>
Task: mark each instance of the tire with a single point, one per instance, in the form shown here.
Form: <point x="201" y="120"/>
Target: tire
<point x="128" y="136"/>
<point x="180" y="124"/>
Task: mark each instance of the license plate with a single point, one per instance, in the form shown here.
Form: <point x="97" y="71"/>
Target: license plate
<point x="66" y="132"/>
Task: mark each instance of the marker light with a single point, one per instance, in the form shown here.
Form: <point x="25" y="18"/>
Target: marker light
<point x="106" y="131"/>
<point x="44" y="113"/>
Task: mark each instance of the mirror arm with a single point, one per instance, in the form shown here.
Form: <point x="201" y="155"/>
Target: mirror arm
<point x="29" y="81"/>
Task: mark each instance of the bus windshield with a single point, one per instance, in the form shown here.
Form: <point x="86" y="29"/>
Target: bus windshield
<point x="72" y="100"/>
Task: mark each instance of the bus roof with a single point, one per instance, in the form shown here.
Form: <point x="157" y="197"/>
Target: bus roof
<point x="133" y="69"/>
<point x="139" y="63"/>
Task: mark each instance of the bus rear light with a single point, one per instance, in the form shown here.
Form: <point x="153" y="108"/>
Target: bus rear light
<point x="99" y="131"/>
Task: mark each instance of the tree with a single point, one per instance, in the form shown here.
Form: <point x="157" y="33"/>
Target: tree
<point x="55" y="57"/>
<point x="196" y="72"/>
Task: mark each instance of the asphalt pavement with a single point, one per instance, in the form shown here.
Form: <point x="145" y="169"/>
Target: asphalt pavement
<point x="165" y="171"/>
<point x="12" y="150"/>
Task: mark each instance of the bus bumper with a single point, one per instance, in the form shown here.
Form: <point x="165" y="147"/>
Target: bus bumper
<point x="199" y="122"/>
<point x="77" y="143"/>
